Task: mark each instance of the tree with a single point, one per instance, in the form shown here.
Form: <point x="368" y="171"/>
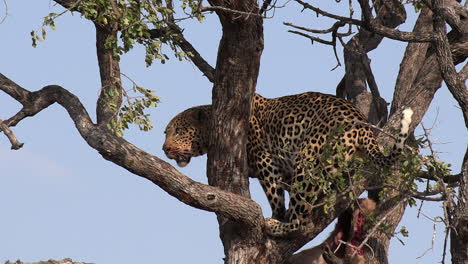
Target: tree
<point x="241" y="221"/>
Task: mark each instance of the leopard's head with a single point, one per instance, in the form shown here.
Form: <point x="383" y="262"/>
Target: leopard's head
<point x="187" y="134"/>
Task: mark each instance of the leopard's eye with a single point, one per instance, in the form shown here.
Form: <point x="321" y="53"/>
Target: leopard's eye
<point x="178" y="130"/>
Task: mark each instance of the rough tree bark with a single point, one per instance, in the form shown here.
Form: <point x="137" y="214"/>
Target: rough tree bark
<point x="433" y="52"/>
<point x="240" y="219"/>
<point x="237" y="68"/>
<point x="459" y="234"/>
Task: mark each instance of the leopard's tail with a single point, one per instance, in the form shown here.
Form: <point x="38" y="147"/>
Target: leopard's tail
<point x="374" y="153"/>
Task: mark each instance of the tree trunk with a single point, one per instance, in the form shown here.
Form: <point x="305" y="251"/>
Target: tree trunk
<point x="236" y="75"/>
<point x="459" y="234"/>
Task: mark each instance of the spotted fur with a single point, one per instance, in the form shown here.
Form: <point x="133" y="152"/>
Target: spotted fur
<point x="284" y="133"/>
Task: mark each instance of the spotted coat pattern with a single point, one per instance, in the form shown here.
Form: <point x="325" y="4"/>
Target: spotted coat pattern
<point x="284" y="133"/>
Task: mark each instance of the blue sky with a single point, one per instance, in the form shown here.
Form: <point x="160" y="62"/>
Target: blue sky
<point x="59" y="198"/>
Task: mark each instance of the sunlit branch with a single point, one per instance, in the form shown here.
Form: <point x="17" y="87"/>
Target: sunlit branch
<point x="135" y="160"/>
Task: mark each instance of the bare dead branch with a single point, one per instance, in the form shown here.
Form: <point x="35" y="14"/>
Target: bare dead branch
<point x="229" y="10"/>
<point x="128" y="156"/>
<point x="434" y="221"/>
<point x="333" y="29"/>
<point x="319" y="40"/>
<point x="327" y="14"/>
<point x="15" y="144"/>
<point x="374" y="26"/>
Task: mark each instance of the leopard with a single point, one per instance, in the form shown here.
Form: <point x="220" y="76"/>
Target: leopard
<point x="284" y="133"/>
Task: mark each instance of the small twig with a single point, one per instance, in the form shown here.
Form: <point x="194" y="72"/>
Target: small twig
<point x="374" y="229"/>
<point x="333" y="29"/>
<point x="327" y="14"/>
<point x="326" y="42"/>
<point x="335" y="26"/>
<point x="429" y="193"/>
<point x="15" y="144"/>
<point x="374" y="26"/>
<point x="225" y="9"/>
<point x="356" y="248"/>
<point x="434" y="233"/>
<point x="351" y="9"/>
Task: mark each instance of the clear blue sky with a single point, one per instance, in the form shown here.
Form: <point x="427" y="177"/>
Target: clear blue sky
<point x="59" y="198"/>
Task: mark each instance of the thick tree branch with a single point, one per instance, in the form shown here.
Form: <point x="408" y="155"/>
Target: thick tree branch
<point x="444" y="56"/>
<point x="459" y="234"/>
<point x="110" y="97"/>
<point x="448" y="179"/>
<point x="128" y="156"/>
<point x="237" y="69"/>
<point x="413" y="61"/>
<point x="430" y="199"/>
<point x="451" y="11"/>
<point x="357" y="64"/>
<point x="464" y="72"/>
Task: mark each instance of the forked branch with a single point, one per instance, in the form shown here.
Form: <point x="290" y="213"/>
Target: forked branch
<point x="373" y="25"/>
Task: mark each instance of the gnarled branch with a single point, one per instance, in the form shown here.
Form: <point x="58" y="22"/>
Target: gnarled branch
<point x="135" y="160"/>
